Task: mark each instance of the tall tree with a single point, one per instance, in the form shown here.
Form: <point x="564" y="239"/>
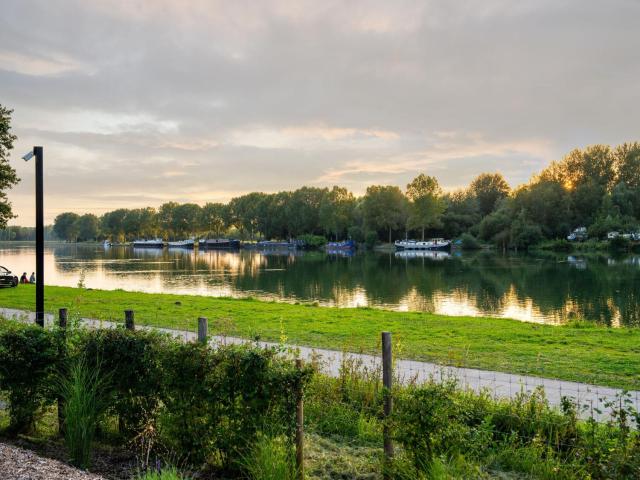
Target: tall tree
<point x="213" y="218"/>
<point x="88" y="227"/>
<point x="336" y="211"/>
<point x="489" y="188"/>
<point x="627" y="163"/>
<point x="8" y="177"/>
<point x="385" y="208"/>
<point x="65" y="226"/>
<point x="427" y="204"/>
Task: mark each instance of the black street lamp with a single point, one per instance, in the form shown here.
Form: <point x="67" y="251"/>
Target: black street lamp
<point x="38" y="153"/>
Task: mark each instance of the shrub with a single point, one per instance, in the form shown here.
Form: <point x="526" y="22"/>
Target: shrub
<point x="469" y="242"/>
<point x="313" y="241"/>
<point x="619" y="244"/>
<point x="83" y="390"/>
<point x="29" y="358"/>
<point x="431" y="420"/>
<point x="132" y="360"/>
<point x="215" y="401"/>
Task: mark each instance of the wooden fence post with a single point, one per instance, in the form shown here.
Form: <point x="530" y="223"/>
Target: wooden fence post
<point x="62" y="323"/>
<point x="129" y="323"/>
<point x="203" y="328"/>
<point x="387" y="379"/>
<point x="299" y="427"/>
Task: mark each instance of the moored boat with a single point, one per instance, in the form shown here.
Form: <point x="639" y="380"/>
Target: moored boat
<point x="344" y="245"/>
<point x="270" y="244"/>
<point x="433" y="244"/>
<point x="182" y="243"/>
<point x="219" y="244"/>
<point x="154" y="243"/>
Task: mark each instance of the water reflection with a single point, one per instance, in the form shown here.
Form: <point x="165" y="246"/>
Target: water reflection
<point x="548" y="288"/>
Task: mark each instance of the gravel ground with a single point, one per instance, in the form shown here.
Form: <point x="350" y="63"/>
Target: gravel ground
<point x="19" y="464"/>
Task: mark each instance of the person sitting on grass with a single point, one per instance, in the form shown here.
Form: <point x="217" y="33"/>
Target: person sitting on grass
<point x="23" y="278"/>
<point x="32" y="278"/>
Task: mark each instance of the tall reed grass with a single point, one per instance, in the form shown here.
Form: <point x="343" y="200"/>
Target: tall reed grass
<point x="271" y="458"/>
<point x="83" y="390"/>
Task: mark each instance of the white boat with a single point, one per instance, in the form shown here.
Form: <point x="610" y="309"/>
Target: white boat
<point x="106" y="244"/>
<point x="182" y="243"/>
<point x="433" y="244"/>
<point x="154" y="243"/>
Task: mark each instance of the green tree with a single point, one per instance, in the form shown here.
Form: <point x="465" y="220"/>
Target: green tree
<point x="88" y="227"/>
<point x="166" y="220"/>
<point x="112" y="224"/>
<point x="426" y="203"/>
<point x="461" y="213"/>
<point x="65" y="226"/>
<point x="489" y="189"/>
<point x="627" y="164"/>
<point x="213" y="218"/>
<point x="186" y="219"/>
<point x="8" y="177"/>
<point x="302" y="210"/>
<point x="336" y="211"/>
<point x="384" y="208"/>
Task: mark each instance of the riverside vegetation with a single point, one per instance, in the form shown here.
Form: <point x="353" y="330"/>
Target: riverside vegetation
<point x="579" y="351"/>
<point x="197" y="412"/>
<point x="597" y="187"/>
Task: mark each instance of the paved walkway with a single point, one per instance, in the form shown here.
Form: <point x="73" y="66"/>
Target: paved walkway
<point x="501" y="385"/>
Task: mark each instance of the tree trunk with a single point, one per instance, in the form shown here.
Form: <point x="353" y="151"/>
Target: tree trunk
<point x="423" y="234"/>
<point x="389" y="234"/>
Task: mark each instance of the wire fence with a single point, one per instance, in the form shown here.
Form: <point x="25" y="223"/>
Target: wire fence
<point x="593" y="401"/>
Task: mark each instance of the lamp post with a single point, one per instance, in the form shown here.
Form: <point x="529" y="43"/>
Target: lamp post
<point x="39" y="154"/>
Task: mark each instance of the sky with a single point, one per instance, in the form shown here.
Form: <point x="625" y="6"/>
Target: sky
<point x="141" y="102"/>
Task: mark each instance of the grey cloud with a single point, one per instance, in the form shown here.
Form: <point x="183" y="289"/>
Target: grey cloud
<point x="537" y="78"/>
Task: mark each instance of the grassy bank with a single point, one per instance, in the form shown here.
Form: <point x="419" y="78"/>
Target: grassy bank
<point x="579" y="352"/>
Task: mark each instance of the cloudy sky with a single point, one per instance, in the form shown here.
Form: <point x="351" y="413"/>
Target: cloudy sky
<point x="141" y="102"/>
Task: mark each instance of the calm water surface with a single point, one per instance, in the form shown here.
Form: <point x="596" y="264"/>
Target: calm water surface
<point x="539" y="288"/>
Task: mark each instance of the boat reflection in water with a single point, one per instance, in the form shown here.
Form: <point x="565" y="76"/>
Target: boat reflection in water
<point x="430" y="254"/>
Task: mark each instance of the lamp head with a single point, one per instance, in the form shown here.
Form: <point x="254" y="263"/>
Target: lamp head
<point x="28" y="156"/>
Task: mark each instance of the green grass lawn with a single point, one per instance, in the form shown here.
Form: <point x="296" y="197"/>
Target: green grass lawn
<point x="604" y="356"/>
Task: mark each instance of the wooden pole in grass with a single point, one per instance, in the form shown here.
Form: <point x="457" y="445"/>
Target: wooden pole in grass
<point x="299" y="427"/>
<point x="62" y="323"/>
<point x="129" y="323"/>
<point x="387" y="379"/>
<point x="203" y="327"/>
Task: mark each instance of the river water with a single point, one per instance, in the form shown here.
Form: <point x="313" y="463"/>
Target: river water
<point x="544" y="288"/>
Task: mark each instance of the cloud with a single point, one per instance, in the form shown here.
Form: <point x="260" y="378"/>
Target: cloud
<point x="140" y="100"/>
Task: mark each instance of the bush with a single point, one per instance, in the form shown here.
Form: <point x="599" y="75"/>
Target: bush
<point x="619" y="244"/>
<point x="29" y="359"/>
<point x="216" y="401"/>
<point x="469" y="242"/>
<point x="313" y="241"/>
<point x="132" y="361"/>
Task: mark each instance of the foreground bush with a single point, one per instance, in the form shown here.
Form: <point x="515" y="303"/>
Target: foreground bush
<point x="197" y="404"/>
<point x="29" y="359"/>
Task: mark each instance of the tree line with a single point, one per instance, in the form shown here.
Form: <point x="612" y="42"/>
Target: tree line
<point x="597" y="187"/>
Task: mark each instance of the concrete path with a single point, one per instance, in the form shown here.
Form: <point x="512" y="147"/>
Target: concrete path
<point x="501" y="385"/>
